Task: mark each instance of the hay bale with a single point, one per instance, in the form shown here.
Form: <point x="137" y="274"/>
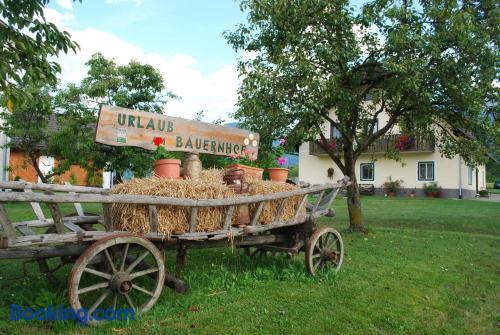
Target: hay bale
<point x="269" y="211"/>
<point x="172" y="219"/>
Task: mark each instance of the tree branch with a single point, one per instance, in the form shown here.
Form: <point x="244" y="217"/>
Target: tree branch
<point x="335" y="158"/>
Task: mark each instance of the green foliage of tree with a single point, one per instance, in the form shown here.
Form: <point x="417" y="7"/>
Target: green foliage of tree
<point x="27" y="124"/>
<point x="135" y="85"/>
<point x="430" y="66"/>
<point x="28" y="44"/>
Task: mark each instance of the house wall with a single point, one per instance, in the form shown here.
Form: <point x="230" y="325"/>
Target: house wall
<point x="313" y="169"/>
<point x="19" y="166"/>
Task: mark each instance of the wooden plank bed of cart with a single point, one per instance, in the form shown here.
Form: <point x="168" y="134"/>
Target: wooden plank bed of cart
<point x="113" y="267"/>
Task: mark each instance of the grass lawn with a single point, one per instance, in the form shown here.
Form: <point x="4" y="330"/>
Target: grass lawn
<point x="489" y="187"/>
<point x="427" y="266"/>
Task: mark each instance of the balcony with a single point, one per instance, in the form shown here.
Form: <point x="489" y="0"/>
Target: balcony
<point x="401" y="143"/>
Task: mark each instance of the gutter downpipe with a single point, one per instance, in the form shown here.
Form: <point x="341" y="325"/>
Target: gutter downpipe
<point x="460" y="196"/>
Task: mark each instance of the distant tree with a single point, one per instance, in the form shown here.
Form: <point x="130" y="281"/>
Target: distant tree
<point x="135" y="85"/>
<point x="27" y="125"/>
<point x="431" y="66"/>
<point x="29" y="43"/>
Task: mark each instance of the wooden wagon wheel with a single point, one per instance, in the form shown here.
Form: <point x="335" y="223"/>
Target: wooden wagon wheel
<point x="324" y="249"/>
<point x="92" y="289"/>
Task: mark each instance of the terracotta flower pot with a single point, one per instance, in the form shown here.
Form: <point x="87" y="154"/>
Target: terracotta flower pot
<point x="278" y="174"/>
<point x="250" y="172"/>
<point x="168" y="168"/>
<point x="391" y="194"/>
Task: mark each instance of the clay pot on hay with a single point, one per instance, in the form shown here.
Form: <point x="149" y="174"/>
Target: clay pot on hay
<point x="250" y="172"/>
<point x="278" y="174"/>
<point x="168" y="168"/>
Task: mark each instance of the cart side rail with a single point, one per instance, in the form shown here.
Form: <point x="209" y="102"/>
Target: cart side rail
<point x="22" y="185"/>
<point x="160" y="201"/>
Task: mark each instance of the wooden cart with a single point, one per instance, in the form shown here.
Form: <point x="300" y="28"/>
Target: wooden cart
<point x="112" y="267"/>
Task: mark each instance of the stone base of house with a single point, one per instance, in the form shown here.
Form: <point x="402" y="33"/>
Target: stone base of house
<point x="447" y="192"/>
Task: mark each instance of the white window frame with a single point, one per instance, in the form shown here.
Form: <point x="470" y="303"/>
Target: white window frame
<point x="470" y="175"/>
<point x="361" y="171"/>
<point x="433" y="171"/>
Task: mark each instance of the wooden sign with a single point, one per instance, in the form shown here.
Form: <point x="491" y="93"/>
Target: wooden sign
<point x="127" y="127"/>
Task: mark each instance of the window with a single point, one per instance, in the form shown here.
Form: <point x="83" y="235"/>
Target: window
<point x="375" y="126"/>
<point x="426" y="171"/>
<point x="366" y="173"/>
<point x="334" y="132"/>
<point x="470" y="173"/>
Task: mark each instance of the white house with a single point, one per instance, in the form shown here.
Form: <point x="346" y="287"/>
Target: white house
<point x="420" y="164"/>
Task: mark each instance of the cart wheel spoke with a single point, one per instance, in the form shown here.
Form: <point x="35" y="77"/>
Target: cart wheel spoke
<point x="137" y="261"/>
<point x="98" y="273"/>
<point x="142" y="273"/>
<point x="332" y="244"/>
<point x="110" y="261"/>
<point x="143" y="290"/>
<point x="317" y="264"/>
<point x="124" y="256"/>
<point x="115" y="300"/>
<point x="93" y="287"/>
<point x="99" y="300"/>
<point x="129" y="301"/>
<point x="320" y="243"/>
<point x="316" y="256"/>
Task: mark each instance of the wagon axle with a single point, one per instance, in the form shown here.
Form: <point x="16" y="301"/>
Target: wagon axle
<point x="121" y="283"/>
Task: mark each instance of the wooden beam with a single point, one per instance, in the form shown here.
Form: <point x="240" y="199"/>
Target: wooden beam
<point x="6" y="223"/>
<point x="24" y="229"/>
<point x="107" y="216"/>
<point x="156" y="200"/>
<point x="78" y="206"/>
<point x="37" y="209"/>
<point x="279" y="211"/>
<point x="318" y="201"/>
<point x="193" y="219"/>
<point x="257" y="213"/>
<point x="22" y="185"/>
<point x="153" y="218"/>
<point x="299" y="208"/>
<point x="56" y="216"/>
<point x="229" y="217"/>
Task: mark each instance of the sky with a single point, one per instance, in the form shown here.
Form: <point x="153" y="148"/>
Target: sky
<point x="183" y="39"/>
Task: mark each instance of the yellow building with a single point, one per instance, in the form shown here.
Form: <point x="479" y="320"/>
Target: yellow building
<point x="420" y="164"/>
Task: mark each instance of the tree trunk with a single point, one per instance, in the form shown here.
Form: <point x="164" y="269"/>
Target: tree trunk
<point x="353" y="197"/>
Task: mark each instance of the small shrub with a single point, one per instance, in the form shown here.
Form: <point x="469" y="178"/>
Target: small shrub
<point x="433" y="190"/>
<point x="484" y="193"/>
<point x="392" y="186"/>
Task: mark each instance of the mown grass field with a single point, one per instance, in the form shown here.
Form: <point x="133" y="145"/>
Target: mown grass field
<point x="427" y="266"/>
<point x="489" y="187"/>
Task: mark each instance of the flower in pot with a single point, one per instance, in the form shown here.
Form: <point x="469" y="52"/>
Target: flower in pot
<point x="413" y="194"/>
<point x="166" y="164"/>
<point x="404" y="142"/>
<point x="392" y="186"/>
<point x="277" y="169"/>
<point x="246" y="162"/>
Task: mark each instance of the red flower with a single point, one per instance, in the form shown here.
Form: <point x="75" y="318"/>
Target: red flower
<point x="158" y="141"/>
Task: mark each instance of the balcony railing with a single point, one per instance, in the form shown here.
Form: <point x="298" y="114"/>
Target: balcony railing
<point x="402" y="143"/>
